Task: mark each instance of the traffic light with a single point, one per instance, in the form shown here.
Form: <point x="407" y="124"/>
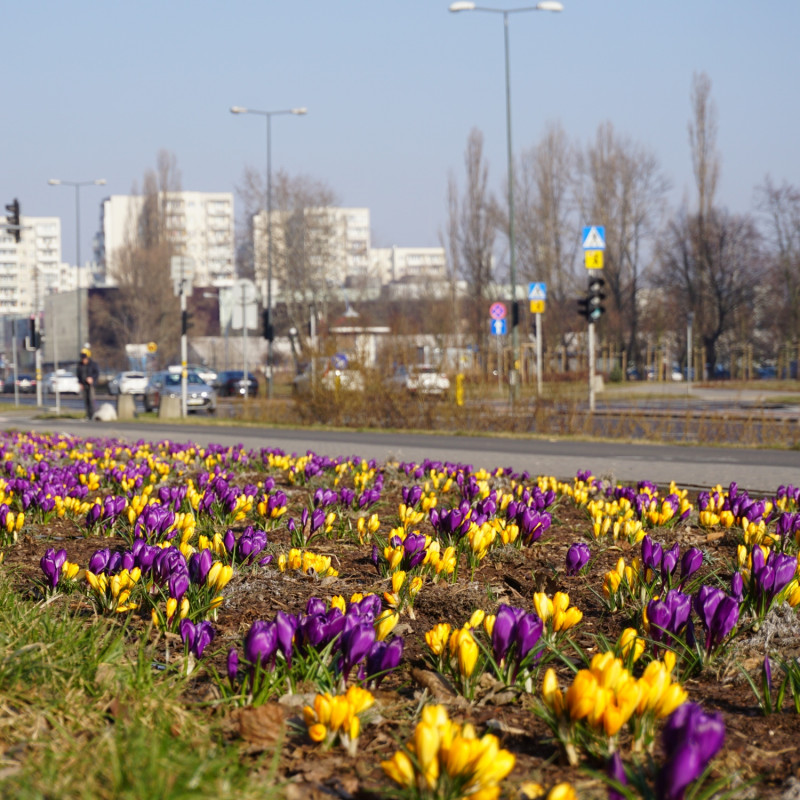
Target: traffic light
<point x="594" y="304"/>
<point x="583" y="307"/>
<point x="187" y="320"/>
<point x="12" y="219"/>
<point x="34" y="337"/>
<point x="268" y="332"/>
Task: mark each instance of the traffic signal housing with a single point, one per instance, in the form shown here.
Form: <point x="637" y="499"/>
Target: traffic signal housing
<point x="267" y="329"/>
<point x="583" y="307"/>
<point x="594" y="302"/>
<point x="12" y="219"/>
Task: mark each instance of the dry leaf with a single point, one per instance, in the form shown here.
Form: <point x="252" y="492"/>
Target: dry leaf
<point x="261" y="725"/>
<point x="435" y="683"/>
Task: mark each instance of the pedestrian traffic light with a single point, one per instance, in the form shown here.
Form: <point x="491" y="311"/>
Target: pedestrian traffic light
<point x="268" y="332"/>
<point x="595" y="307"/>
<point x="12" y="219"/>
<point x="583" y="307"/>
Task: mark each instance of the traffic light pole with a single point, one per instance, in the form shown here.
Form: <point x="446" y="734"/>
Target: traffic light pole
<point x="591" y="368"/>
<point x="184" y="348"/>
<point x="538" y="354"/>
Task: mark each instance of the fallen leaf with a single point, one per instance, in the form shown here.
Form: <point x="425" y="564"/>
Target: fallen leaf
<point x="261" y="725"/>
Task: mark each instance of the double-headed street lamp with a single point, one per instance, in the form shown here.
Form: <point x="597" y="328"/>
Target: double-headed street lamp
<point x="269" y="329"/>
<point x="545" y="5"/>
<point x="77" y="185"/>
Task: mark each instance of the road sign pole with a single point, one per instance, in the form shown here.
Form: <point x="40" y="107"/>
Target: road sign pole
<point x="591" y="367"/>
<point x="538" y="354"/>
<point x="184" y="353"/>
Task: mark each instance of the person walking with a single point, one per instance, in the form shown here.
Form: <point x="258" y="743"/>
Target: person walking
<point x="88" y="373"/>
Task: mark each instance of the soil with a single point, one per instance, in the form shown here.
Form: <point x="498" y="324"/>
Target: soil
<point x="756" y="746"/>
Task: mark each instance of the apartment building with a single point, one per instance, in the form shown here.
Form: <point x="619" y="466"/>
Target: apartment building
<point x="31" y="269"/>
<point x="199" y="224"/>
<point x="340" y="240"/>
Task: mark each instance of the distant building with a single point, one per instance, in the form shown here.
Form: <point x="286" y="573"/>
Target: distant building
<point x="340" y="239"/>
<point x="409" y="264"/>
<point x="199" y="224"/>
<point x="31" y="269"/>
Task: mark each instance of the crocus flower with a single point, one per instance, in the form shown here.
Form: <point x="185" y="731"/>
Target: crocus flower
<point x="718" y="613"/>
<point x="616" y="771"/>
<point x="578" y="557"/>
<point x="197" y="636"/>
<point x="355" y="645"/>
<point x="51" y="563"/>
<point x="382" y="658"/>
<point x="233" y="665"/>
<point x="690" y="563"/>
<point x="260" y="642"/>
<point x="691" y="738"/>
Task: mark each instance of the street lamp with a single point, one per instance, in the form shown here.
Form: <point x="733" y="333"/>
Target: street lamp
<point x="544" y="5"/>
<point x="269" y="115"/>
<point x="77" y="185"/>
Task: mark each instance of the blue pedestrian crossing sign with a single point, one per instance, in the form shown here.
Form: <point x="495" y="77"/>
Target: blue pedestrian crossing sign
<point x="498" y="327"/>
<point x="537" y="291"/>
<point x="594" y="237"/>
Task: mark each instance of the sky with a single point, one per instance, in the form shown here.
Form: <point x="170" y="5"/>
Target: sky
<point x="393" y="89"/>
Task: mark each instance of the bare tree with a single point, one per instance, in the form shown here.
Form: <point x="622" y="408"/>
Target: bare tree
<point x="148" y="309"/>
<point x="473" y="228"/>
<point x="712" y="268"/>
<point x="780" y="315"/>
<point x="547" y="226"/>
<point x="623" y="188"/>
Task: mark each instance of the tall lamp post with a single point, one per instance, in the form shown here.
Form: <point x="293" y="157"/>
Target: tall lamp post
<point x="77" y="185"/>
<point x="269" y="115"/>
<point x="544" y="5"/>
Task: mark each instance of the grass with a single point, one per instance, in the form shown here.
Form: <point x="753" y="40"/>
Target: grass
<point x="85" y="714"/>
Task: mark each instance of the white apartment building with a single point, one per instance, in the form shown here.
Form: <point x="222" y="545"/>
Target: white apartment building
<point x="200" y="224"/>
<point x="350" y="260"/>
<point x="31" y="269"/>
<point x="409" y="264"/>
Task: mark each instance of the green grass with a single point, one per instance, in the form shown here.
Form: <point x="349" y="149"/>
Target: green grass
<point x="84" y="714"/>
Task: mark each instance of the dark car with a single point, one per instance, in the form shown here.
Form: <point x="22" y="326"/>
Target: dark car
<point x="199" y="395"/>
<point x="231" y="383"/>
<point x="25" y="383"/>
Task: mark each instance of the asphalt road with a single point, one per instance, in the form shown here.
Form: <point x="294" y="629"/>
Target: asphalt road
<point x="760" y="471"/>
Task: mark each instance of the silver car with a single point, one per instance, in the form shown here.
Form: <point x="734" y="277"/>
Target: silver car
<point x="199" y="395"/>
<point x="128" y="382"/>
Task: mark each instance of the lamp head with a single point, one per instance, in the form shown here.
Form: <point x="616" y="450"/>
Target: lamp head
<point x="549" y="5"/>
<point x="54" y="182"/>
<point x="100" y="182"/>
<point x="238" y="110"/>
<point x="462" y="5"/>
<point x="300" y="111"/>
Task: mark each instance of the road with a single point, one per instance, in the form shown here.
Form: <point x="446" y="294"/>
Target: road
<point x="760" y="471"/>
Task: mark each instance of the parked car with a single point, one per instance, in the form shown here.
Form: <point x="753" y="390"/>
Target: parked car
<point x="199" y="395"/>
<point x="206" y="374"/>
<point x="421" y="379"/>
<point x="25" y="383"/>
<point x="329" y="377"/>
<point x="62" y="381"/>
<point x="128" y="382"/>
<point x="231" y="383"/>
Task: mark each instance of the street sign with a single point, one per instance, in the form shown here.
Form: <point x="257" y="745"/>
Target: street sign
<point x="593" y="259"/>
<point x="244" y="309"/>
<point x="537" y="306"/>
<point x="594" y="237"/>
<point x="537" y="291"/>
<point x="497" y="310"/>
<point x="339" y="360"/>
<point x="498" y="327"/>
<point x="152" y="347"/>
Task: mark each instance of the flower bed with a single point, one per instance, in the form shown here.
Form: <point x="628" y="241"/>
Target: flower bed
<point x="428" y="630"/>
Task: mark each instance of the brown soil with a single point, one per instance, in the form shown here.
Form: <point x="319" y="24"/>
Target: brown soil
<point x="756" y="746"/>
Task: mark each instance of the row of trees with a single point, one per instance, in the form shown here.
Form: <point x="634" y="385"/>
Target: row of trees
<point x="737" y="274"/>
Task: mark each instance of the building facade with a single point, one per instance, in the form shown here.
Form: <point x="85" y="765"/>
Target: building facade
<point x="32" y="268"/>
<point x="199" y="224"/>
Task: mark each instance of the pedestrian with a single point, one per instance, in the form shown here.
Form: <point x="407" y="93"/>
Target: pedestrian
<point x="88" y="373"/>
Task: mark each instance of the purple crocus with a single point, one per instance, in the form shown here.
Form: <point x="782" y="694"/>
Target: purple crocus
<point x="615" y="770"/>
<point x="51" y="563"/>
<point x="355" y="644"/>
<point x="718" y="613"/>
<point x="691" y="738"/>
<point x="233" y="665"/>
<point x="690" y="563"/>
<point x="578" y="557"/>
<point x="260" y="643"/>
<point x="196" y="636"/>
<point x="770" y="577"/>
<point x="382" y="658"/>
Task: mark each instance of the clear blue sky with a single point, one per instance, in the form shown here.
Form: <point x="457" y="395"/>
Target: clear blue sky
<point x="393" y="88"/>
